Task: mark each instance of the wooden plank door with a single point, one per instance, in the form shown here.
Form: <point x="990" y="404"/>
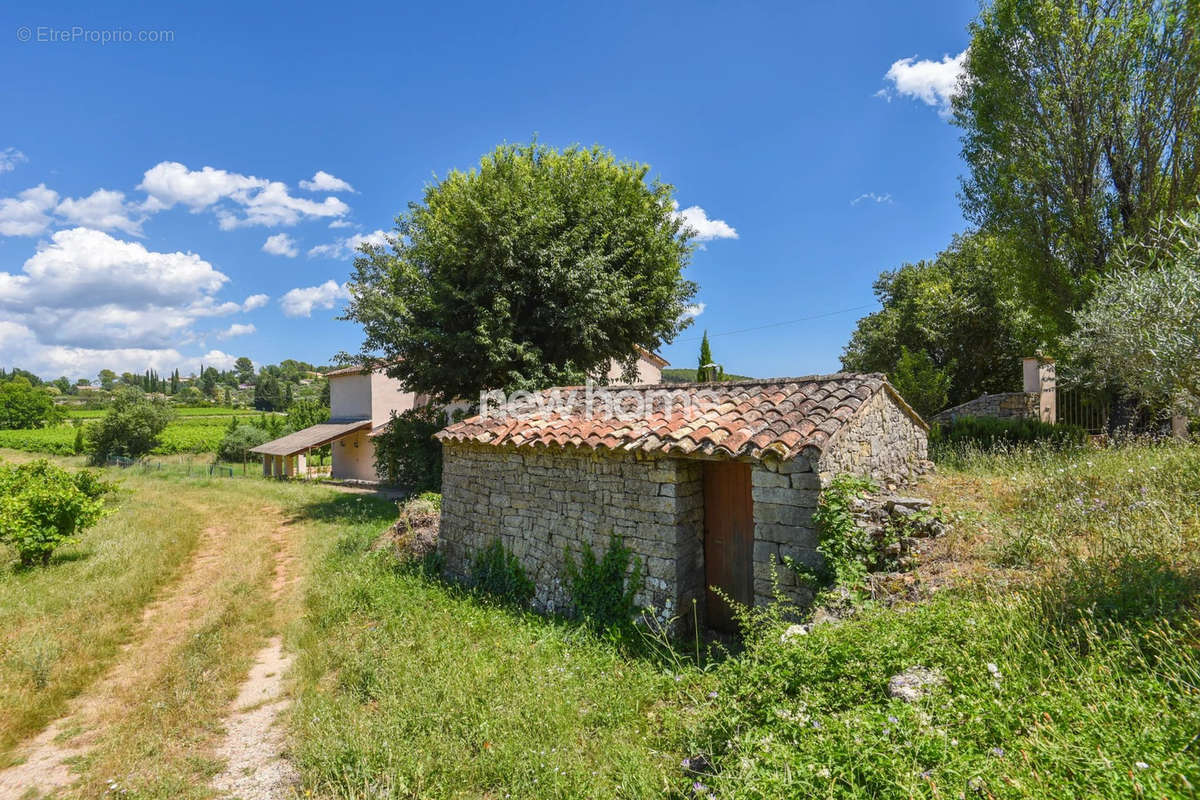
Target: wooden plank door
<point x="728" y="540"/>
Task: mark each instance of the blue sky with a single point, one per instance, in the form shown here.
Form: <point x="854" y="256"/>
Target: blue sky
<point x="812" y="131"/>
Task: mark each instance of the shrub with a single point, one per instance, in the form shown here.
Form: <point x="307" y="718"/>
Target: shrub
<point x="602" y="590"/>
<point x="498" y="573"/>
<point x="237" y="443"/>
<point x="989" y="433"/>
<point x="131" y="427"/>
<point x="43" y="507"/>
<point x="407" y="454"/>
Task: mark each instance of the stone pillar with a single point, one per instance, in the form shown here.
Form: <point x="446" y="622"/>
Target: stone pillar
<point x="289" y="466"/>
<point x="267" y="462"/>
<point x="277" y="466"/>
<point x="1029" y="369"/>
<point x="1048" y="391"/>
<point x="1040" y="379"/>
<point x="301" y="465"/>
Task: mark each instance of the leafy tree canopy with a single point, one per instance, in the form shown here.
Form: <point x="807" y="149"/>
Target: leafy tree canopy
<point x="533" y="269"/>
<point x="919" y="381"/>
<point x="961" y="310"/>
<point x="1081" y="124"/>
<point x="131" y="427"/>
<point x="24" y="406"/>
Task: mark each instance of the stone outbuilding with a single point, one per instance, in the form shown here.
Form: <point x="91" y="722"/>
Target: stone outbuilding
<point x="709" y="484"/>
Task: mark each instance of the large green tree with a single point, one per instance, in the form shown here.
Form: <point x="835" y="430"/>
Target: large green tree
<point x="1081" y="124"/>
<point x="959" y="315"/>
<point x="131" y="427"/>
<point x="533" y="269"/>
<point x="23" y="405"/>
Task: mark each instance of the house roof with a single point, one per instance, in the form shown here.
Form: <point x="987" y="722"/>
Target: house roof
<point x="653" y="358"/>
<point x="353" y="369"/>
<point x="751" y="419"/>
<point x="314" y="436"/>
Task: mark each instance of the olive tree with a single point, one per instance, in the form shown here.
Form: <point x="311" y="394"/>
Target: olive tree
<point x="1140" y="332"/>
<point x="534" y="269"/>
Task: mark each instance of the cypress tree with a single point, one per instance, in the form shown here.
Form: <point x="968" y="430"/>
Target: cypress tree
<point x="706" y="357"/>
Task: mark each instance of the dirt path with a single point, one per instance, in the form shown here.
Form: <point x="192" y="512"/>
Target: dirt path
<point x="256" y="768"/>
<point x="253" y="744"/>
<point x="253" y="748"/>
<point x="163" y="627"/>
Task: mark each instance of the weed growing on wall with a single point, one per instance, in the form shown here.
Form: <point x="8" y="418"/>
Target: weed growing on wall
<point x="602" y="590"/>
<point x="849" y="551"/>
<point x="498" y="573"/>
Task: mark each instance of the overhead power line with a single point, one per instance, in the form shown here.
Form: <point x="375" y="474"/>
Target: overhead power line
<point x="780" y="324"/>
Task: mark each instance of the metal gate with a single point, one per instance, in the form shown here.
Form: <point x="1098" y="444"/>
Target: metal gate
<point x="1088" y="410"/>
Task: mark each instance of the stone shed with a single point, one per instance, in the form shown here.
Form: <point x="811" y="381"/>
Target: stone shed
<point x="706" y="483"/>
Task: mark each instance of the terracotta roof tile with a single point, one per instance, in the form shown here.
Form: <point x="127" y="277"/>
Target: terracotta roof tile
<point x="782" y="416"/>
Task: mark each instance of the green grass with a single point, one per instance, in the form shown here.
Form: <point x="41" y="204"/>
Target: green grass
<point x="411" y="689"/>
<point x="1083" y="598"/>
<point x="59" y="626"/>
<point x="64" y="627"/>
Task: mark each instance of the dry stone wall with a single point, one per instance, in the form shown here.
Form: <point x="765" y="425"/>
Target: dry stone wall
<point x="540" y="503"/>
<point x="785" y="495"/>
<point x="882" y="442"/>
<point x="1006" y="405"/>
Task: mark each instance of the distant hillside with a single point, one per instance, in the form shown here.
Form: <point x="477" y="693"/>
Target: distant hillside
<point x="689" y="376"/>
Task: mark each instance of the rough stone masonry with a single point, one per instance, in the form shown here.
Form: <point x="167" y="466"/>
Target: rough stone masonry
<point x="543" y="498"/>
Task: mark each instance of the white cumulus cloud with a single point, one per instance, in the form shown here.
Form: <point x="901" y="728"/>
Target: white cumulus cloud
<point x="255" y="301"/>
<point x="932" y="82"/>
<point x="705" y="229"/>
<point x="345" y="248"/>
<point x="27" y="214"/>
<point x="9" y="158"/>
<point x="236" y="329"/>
<point x="281" y="245"/>
<point x="259" y="201"/>
<point x="104" y="209"/>
<point x="694" y="310"/>
<point x="86" y="291"/>
<point x="322" y="181"/>
<point x="301" y="302"/>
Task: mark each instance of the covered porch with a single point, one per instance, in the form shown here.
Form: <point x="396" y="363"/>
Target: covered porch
<point x="287" y="456"/>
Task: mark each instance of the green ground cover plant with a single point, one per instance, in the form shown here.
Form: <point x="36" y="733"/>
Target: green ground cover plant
<point x="497" y="573"/>
<point x="602" y="590"/>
